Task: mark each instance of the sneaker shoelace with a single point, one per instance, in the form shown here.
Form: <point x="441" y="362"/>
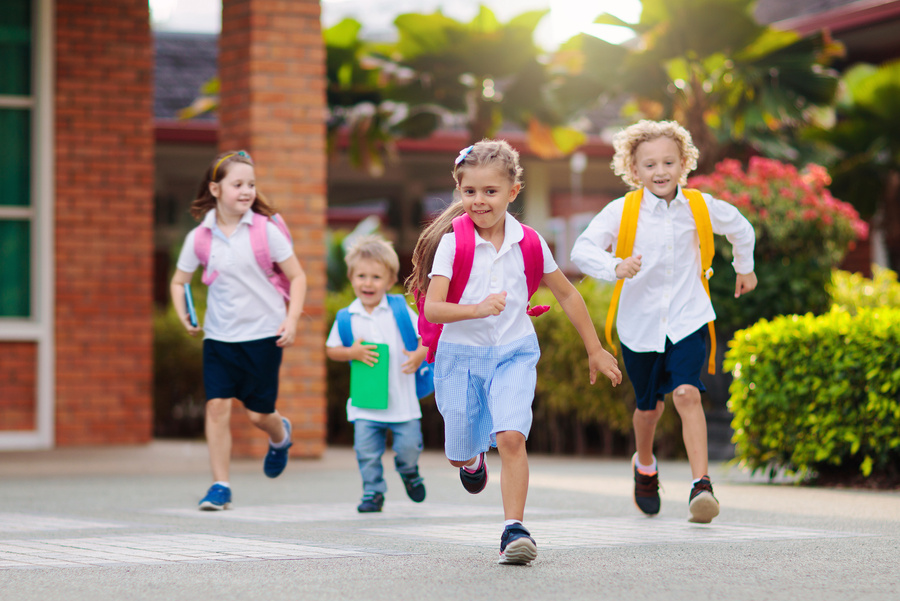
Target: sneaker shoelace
<point x="704" y="485"/>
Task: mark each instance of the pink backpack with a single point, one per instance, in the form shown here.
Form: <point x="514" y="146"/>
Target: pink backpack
<point x="259" y="242"/>
<point x="464" y="232"/>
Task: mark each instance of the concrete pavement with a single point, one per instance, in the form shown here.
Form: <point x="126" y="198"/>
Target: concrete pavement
<point x="121" y="523"/>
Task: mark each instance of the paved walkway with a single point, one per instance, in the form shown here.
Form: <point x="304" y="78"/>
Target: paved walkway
<point x="121" y="523"/>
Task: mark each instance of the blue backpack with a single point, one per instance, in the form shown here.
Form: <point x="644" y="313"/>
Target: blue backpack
<point x="425" y="373"/>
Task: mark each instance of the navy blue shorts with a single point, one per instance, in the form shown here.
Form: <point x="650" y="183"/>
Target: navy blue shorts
<point x="654" y="375"/>
<point x="247" y="371"/>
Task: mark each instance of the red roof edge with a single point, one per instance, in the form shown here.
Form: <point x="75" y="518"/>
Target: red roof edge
<point x="844" y="18"/>
<point x="186" y="131"/>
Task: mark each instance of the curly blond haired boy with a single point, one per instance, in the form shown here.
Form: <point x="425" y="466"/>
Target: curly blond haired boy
<point x="664" y="307"/>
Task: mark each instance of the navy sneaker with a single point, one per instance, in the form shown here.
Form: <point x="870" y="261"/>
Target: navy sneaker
<point x="276" y="459"/>
<point x="415" y="489"/>
<point x="703" y="504"/>
<point x="474" y="482"/>
<point x="371" y="503"/>
<point x="217" y="497"/>
<point x="516" y="546"/>
<point x="646" y="489"/>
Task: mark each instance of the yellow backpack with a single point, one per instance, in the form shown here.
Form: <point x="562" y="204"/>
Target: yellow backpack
<point x="625" y="245"/>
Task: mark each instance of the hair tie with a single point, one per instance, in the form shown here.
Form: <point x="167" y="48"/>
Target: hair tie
<point x="463" y="154"/>
<point x="240" y="153"/>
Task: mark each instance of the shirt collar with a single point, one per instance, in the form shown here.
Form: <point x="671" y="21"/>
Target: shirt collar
<point x="357" y="307"/>
<point x="209" y="220"/>
<point x="512" y="233"/>
<point x="654" y="200"/>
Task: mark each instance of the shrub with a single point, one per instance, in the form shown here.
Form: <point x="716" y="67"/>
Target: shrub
<point x="179" y="400"/>
<point x="818" y="394"/>
<point x="850" y="291"/>
<point x="802" y="233"/>
<point x="566" y="405"/>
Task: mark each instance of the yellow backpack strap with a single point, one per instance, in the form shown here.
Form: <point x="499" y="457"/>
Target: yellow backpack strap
<point x="624" y="247"/>
<point x="707" y="250"/>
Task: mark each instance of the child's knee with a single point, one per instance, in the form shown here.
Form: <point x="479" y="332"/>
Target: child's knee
<point x="218" y="408"/>
<point x="510" y="441"/>
<point x="686" y="397"/>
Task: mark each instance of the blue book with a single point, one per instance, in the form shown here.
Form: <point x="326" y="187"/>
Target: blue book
<point x="189" y="299"/>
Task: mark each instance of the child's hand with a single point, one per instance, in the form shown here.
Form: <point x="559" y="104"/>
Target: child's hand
<point x="186" y="322"/>
<point x="602" y="361"/>
<point x="492" y="305"/>
<point x="744" y="283"/>
<point x="629" y="267"/>
<point x="287" y="333"/>
<point x="412" y="363"/>
<point x="364" y="353"/>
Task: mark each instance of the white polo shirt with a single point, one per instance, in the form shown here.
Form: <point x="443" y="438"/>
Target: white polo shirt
<point x="493" y="271"/>
<point x="242" y="303"/>
<point x="666" y="298"/>
<point x="380" y="327"/>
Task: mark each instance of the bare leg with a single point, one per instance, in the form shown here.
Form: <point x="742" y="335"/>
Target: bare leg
<point x="644" y="430"/>
<point x="514" y="474"/>
<point x="218" y="437"/>
<point x="270" y="423"/>
<point x="693" y="428"/>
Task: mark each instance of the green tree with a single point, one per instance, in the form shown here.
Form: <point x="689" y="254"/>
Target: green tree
<point x="735" y="84"/>
<point x="866" y="134"/>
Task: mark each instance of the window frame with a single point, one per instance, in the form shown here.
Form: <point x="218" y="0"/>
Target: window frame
<point x="38" y="327"/>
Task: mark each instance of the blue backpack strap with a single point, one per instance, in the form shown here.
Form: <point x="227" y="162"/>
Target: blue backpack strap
<point x="345" y="330"/>
<point x="404" y="322"/>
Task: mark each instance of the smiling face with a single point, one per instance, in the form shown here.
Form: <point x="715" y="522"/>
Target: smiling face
<point x="658" y="166"/>
<point x="486" y="193"/>
<point x="371" y="280"/>
<point x="236" y="191"/>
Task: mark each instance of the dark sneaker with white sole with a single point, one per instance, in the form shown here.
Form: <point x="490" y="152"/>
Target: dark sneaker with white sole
<point x="646" y="489"/>
<point x="703" y="504"/>
<point x="371" y="503"/>
<point x="415" y="487"/>
<point x="474" y="482"/>
<point x="516" y="546"/>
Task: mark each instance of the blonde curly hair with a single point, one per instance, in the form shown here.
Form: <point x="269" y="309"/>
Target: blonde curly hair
<point x="626" y="143"/>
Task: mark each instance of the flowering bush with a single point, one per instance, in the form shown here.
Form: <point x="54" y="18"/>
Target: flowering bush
<point x="802" y="233"/>
<point x="792" y="211"/>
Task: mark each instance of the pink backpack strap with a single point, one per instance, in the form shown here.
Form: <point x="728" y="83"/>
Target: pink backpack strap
<point x="202" y="246"/>
<point x="259" y="242"/>
<point x="533" y="255"/>
<point x="464" y="233"/>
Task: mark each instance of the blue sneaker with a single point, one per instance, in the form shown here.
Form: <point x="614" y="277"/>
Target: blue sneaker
<point x="516" y="546"/>
<point x="217" y="497"/>
<point x="276" y="459"/>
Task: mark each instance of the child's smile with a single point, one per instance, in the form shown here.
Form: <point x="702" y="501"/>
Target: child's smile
<point x="486" y="193"/>
<point x="370" y="280"/>
<point x="658" y="166"/>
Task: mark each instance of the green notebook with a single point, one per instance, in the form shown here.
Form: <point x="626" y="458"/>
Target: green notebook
<point x="369" y="385"/>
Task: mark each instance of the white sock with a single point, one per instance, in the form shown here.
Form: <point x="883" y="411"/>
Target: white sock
<point x="221" y="483"/>
<point x="511" y="522"/>
<point x="280" y="445"/>
<point x="647" y="469"/>
<point x="479" y="459"/>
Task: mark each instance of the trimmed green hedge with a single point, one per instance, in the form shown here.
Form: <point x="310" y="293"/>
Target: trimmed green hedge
<point x="851" y="290"/>
<point x="818" y="394"/>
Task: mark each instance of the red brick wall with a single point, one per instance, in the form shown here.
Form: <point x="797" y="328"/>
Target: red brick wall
<point x="272" y="69"/>
<point x="18" y="372"/>
<point x="104" y="222"/>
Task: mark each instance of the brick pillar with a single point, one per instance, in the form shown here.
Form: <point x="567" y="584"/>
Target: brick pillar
<point x="104" y="222"/>
<point x="272" y="69"/>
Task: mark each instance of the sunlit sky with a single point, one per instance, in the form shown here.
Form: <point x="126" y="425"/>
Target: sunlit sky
<point x="566" y="18"/>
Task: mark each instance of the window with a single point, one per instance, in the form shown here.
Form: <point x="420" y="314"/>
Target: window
<point x="16" y="119"/>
